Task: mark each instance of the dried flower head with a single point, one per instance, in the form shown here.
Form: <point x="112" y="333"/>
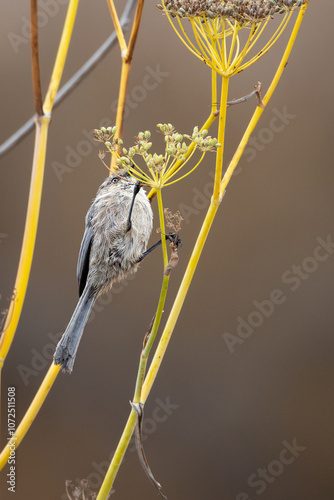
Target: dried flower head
<point x="215" y="22"/>
<point x="243" y="11"/>
<point x="77" y="492"/>
<point x="173" y="221"/>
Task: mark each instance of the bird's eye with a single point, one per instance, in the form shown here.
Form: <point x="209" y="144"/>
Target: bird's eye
<point x="115" y="180"/>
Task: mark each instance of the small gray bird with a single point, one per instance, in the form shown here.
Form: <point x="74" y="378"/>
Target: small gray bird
<point x="118" y="227"/>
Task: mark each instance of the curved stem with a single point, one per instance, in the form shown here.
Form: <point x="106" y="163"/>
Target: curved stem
<point x="232" y="47"/>
<point x="270" y="42"/>
<point x="31" y="413"/>
<point x="185" y="175"/>
<point x="29" y="238"/>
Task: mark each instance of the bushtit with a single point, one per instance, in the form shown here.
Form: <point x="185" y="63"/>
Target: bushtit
<point x="118" y="227"/>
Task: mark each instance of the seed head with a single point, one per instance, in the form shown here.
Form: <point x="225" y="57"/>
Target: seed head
<point x="216" y="25"/>
<point x="243" y="11"/>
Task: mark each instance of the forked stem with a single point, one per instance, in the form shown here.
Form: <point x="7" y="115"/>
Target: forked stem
<point x="126" y="54"/>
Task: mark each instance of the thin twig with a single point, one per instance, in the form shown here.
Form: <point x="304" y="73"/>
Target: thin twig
<point x="36" y="80"/>
<point x="134" y="32"/>
<point x="73" y="82"/>
<point x="257" y="91"/>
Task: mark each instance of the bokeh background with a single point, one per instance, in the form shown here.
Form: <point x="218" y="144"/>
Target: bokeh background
<point x="216" y="416"/>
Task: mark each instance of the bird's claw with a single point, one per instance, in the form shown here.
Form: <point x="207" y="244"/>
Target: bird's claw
<point x="174" y="239"/>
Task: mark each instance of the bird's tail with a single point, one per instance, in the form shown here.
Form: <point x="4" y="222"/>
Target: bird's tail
<point x="67" y="347"/>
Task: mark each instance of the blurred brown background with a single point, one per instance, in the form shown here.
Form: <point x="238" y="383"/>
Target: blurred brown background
<point x="224" y="416"/>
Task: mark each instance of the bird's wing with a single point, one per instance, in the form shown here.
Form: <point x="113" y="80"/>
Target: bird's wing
<point x="83" y="260"/>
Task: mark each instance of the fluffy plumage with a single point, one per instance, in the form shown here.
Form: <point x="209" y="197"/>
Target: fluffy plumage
<point x="110" y="250"/>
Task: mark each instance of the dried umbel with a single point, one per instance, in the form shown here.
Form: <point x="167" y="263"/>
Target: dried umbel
<point x="243" y="11"/>
<point x="216" y="25"/>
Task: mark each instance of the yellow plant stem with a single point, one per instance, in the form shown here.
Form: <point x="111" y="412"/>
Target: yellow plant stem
<point x="29" y="238"/>
<point x="123" y="80"/>
<point x="61" y="56"/>
<point x="214" y="91"/>
<point x="36" y="186"/>
<point x="126" y="54"/>
<point x="31" y="412"/>
<point x="118" y="27"/>
<point x="221" y="138"/>
<point x="118" y="457"/>
<point x="126" y="66"/>
<point x="179" y="300"/>
<point x="31" y="224"/>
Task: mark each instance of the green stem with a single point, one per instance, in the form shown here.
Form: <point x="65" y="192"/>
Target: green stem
<point x="164" y="287"/>
<point x="148" y="346"/>
<point x="162" y="228"/>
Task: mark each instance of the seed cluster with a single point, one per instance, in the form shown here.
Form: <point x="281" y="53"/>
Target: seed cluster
<point x="240" y="10"/>
<point x="175" y="146"/>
